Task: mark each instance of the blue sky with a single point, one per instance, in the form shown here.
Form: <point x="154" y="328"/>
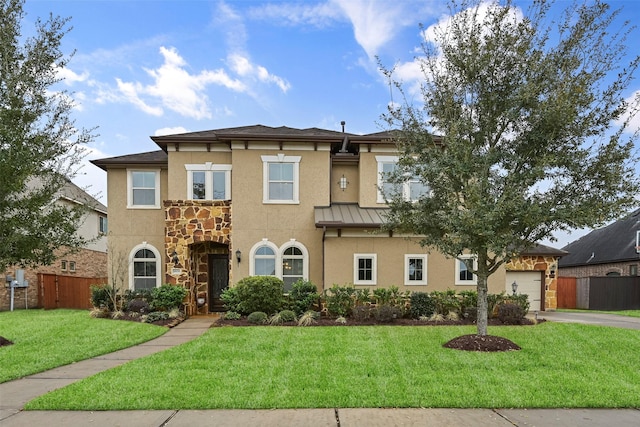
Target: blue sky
<point x="152" y="67"/>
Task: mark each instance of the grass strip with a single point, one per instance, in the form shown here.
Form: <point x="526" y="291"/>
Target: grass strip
<point x="44" y="340"/>
<point x="560" y="365"/>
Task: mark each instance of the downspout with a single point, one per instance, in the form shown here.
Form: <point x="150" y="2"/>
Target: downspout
<point x="324" y="233"/>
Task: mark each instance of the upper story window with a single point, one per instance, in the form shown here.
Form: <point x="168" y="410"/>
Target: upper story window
<point x="464" y="276"/>
<point x="143" y="189"/>
<point x="208" y="181"/>
<point x="102" y="224"/>
<point x="411" y="190"/>
<point x="281" y="179"/>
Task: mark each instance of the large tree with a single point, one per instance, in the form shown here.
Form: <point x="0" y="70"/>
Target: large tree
<point x="39" y="144"/>
<point x="533" y="138"/>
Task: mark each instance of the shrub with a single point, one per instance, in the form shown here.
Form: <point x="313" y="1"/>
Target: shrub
<point x="167" y="297"/>
<point x="469" y="305"/>
<point x="387" y="313"/>
<point x="445" y="301"/>
<point x="257" y="317"/>
<point x="361" y="312"/>
<point x="101" y="296"/>
<point x="510" y="313"/>
<point x="520" y="299"/>
<point x="138" y="306"/>
<point x="260" y="293"/>
<point x="231" y="300"/>
<point x="341" y="320"/>
<point x="141" y="294"/>
<point x="493" y="301"/>
<point x="421" y="305"/>
<point x="287" y="316"/>
<point x="231" y="315"/>
<point x="303" y="296"/>
<point x="155" y="316"/>
<point x="362" y="297"/>
<point x="339" y="300"/>
<point x="308" y="318"/>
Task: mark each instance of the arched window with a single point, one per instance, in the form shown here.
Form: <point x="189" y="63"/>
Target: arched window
<point x="263" y="259"/>
<point x="145" y="269"/>
<point x="292" y="267"/>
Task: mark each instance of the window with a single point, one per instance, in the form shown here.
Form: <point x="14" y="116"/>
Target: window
<point x="72" y="266"/>
<point x="364" y="269"/>
<point x="415" y="270"/>
<point x="102" y="224"/>
<point x="633" y="270"/>
<point x="464" y="276"/>
<point x="290" y="262"/>
<point x="143" y="189"/>
<point x="411" y="190"/>
<point x="281" y="179"/>
<point x="263" y="259"/>
<point x="63" y="265"/>
<point x="208" y="181"/>
<point x="144" y="271"/>
<point x="295" y="265"/>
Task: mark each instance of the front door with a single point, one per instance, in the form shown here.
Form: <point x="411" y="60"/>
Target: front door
<point x="218" y="280"/>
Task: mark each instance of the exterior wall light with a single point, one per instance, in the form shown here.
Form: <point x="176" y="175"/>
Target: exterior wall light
<point x="174" y="258"/>
<point x="238" y="256"/>
<point x="514" y="287"/>
<point x="343" y="182"/>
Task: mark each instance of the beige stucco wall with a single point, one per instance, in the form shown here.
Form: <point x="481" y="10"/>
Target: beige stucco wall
<point x="177" y="174"/>
<point x="352" y="175"/>
<point x="390" y="252"/>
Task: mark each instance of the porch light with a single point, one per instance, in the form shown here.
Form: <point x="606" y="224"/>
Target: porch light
<point x="239" y="256"/>
<point x="514" y="286"/>
<point x="174" y="258"/>
<point x="343" y="182"/>
<point x="552" y="271"/>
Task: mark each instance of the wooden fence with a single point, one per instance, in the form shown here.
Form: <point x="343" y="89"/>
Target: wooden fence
<point x="66" y="291"/>
<point x="566" y="292"/>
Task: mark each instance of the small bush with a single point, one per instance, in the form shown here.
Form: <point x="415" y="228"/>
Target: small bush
<point x="445" y="301"/>
<point x="340" y="301"/>
<point x="341" y="320"/>
<point x="361" y="312"/>
<point x="101" y="297"/>
<point x="156" y="316"/>
<point x="387" y="313"/>
<point x="287" y="316"/>
<point x="231" y="300"/>
<point x="99" y="313"/>
<point x="469" y="305"/>
<point x="138" y="306"/>
<point x="260" y="293"/>
<point x="167" y="297"/>
<point x="308" y="318"/>
<point x="257" y="317"/>
<point x="493" y="301"/>
<point x="232" y="315"/>
<point x="421" y="305"/>
<point x="510" y="314"/>
<point x="303" y="296"/>
<point x="520" y="299"/>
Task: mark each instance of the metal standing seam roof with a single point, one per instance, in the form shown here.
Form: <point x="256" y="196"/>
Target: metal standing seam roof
<point x="349" y="215"/>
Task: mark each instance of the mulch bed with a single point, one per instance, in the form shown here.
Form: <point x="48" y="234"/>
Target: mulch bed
<point x="482" y="343"/>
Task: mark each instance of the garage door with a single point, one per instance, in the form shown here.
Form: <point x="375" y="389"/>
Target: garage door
<point x="529" y="282"/>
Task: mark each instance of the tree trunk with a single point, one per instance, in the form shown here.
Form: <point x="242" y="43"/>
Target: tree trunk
<point x="482" y="287"/>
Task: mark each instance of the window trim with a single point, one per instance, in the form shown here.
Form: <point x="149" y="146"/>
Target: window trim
<point x="130" y="204"/>
<point x="252" y="256"/>
<point x="405" y="187"/>
<point x="144" y="245"/>
<point x="305" y="258"/>
<point x="407" y="280"/>
<point x="208" y="168"/>
<point x="279" y="256"/>
<point x="459" y="259"/>
<point x="63" y="265"/>
<point x="72" y="266"/>
<point x="281" y="158"/>
<point x="103" y="225"/>
<point x="374" y="269"/>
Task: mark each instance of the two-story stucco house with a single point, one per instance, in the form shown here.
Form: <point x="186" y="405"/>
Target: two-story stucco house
<point x="210" y="208"/>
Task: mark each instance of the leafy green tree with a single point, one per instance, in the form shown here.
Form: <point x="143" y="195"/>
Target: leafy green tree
<point x="40" y="147"/>
<point x="533" y="121"/>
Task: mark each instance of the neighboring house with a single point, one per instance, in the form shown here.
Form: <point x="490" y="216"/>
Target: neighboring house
<point x="613" y="250"/>
<point x="90" y="261"/>
<point x="210" y="208"/>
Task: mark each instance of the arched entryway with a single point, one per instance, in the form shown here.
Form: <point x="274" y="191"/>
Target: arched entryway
<point x="211" y="274"/>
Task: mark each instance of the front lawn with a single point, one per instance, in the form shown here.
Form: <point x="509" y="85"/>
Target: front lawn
<point x="44" y="340"/>
<point x="560" y="365"/>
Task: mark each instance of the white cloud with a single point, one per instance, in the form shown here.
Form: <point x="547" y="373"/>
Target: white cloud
<point x="632" y="114"/>
<point x="244" y="68"/>
<point x="170" y="131"/>
<point x="299" y="14"/>
<point x="91" y="178"/>
<point x="68" y="76"/>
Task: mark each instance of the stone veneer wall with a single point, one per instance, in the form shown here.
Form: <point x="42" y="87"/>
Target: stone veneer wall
<point x="540" y="263"/>
<point x="88" y="264"/>
<point x="188" y="223"/>
<point x="600" y="270"/>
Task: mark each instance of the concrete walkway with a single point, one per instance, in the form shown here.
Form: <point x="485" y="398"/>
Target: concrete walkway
<point x="14" y="394"/>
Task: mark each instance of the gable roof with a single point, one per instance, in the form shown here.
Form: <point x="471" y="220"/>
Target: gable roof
<point x="613" y="243"/>
<point x="158" y="158"/>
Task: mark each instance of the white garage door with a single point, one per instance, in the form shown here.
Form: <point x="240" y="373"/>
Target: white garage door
<point x="529" y="282"/>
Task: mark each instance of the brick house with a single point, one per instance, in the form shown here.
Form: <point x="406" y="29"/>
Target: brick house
<point x="210" y="208"/>
<point x="90" y="261"/>
<point x="613" y="250"/>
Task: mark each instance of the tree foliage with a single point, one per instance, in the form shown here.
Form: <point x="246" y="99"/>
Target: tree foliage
<point x="533" y="124"/>
<point x="40" y="147"/>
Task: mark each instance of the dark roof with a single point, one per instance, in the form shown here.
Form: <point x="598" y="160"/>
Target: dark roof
<point x="613" y="243"/>
<point x="158" y="157"/>
<point x="544" y="250"/>
<point x="349" y="215"/>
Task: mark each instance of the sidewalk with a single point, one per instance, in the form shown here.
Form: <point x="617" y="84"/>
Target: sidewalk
<point x="14" y="394"/>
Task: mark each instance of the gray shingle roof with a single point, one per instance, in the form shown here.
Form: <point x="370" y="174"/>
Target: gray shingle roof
<point x="158" y="157"/>
<point x="613" y="243"/>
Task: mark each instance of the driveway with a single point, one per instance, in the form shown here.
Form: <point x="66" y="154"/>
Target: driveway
<point x="592" y="319"/>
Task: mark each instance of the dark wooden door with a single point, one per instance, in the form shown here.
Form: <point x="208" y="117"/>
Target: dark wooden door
<point x="218" y="280"/>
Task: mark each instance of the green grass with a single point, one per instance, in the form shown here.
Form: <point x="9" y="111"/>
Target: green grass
<point x="628" y="313"/>
<point x="560" y="365"/>
<point x="44" y="340"/>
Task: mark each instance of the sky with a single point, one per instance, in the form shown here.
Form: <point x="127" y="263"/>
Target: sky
<point x="155" y="67"/>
